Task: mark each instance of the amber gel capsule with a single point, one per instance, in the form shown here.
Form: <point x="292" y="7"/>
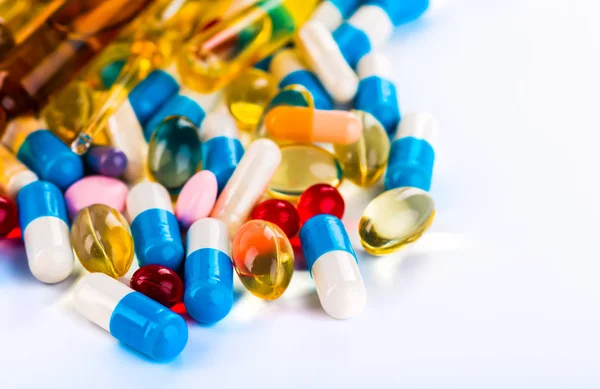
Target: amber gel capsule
<point x="307" y="125"/>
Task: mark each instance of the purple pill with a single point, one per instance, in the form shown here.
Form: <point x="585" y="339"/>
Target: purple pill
<point x="106" y="161"/>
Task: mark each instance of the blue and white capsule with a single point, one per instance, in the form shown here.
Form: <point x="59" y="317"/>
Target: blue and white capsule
<point x="222" y="151"/>
<point x="333" y="266"/>
<point x="401" y="12"/>
<point x="132" y="318"/>
<point x="288" y="69"/>
<point x="154" y="226"/>
<point x="43" y="220"/>
<point x="126" y="127"/>
<point x="208" y="294"/>
<point x="412" y="153"/>
<point x="42" y="152"/>
<point x="178" y="105"/>
<point x="333" y="12"/>
<point x="376" y="92"/>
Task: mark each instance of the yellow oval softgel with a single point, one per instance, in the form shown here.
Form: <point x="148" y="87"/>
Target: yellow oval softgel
<point x="301" y="167"/>
<point x="394" y="219"/>
<point x="102" y="240"/>
<point x="364" y="161"/>
<point x="263" y="258"/>
<point x="247" y="96"/>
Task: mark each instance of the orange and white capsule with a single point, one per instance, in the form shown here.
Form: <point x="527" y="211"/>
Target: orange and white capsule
<point x="308" y="125"/>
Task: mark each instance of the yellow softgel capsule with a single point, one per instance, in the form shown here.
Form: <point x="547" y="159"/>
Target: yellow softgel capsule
<point x="365" y="160"/>
<point x="247" y="96"/>
<point x="301" y="167"/>
<point x="102" y="240"/>
<point x="263" y="258"/>
<point x="394" y="219"/>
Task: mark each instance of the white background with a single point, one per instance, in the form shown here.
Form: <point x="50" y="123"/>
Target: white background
<point x="503" y="292"/>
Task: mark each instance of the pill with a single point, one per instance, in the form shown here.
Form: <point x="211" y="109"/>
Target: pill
<point x="412" y="153"/>
<point x="13" y="174"/>
<point x="43" y="220"/>
<point x="42" y="152"/>
<point x="263" y="258"/>
<point x="248" y="94"/>
<point x="332" y="12"/>
<point x="9" y="219"/>
<point x="178" y="105"/>
<point x="320" y="199"/>
<point x="96" y="190"/>
<point x="132" y="318"/>
<point x="307" y="125"/>
<point x="401" y="12"/>
<point x="288" y="69"/>
<point x="196" y="199"/>
<point x="154" y="226"/>
<point x="102" y="241"/>
<point x="247" y="184"/>
<point x="279" y="212"/>
<point x="208" y="295"/>
<point x="106" y="160"/>
<point x="174" y="152"/>
<point x="376" y="92"/>
<point x="159" y="283"/>
<point x="221" y="148"/>
<point x="333" y="266"/>
<point x="325" y="58"/>
<point x="395" y="219"/>
<point x="125" y="127"/>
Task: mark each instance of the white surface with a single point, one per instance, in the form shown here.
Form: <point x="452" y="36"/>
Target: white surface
<point x="420" y="125"/>
<point x="339" y="285"/>
<point x="208" y="233"/>
<point x="147" y="195"/>
<point x="504" y="290"/>
<point x="96" y="296"/>
<point x="375" y="23"/>
<point x="48" y="246"/>
<point x="327" y="61"/>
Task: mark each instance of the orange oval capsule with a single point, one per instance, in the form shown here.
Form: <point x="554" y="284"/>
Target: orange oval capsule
<point x="308" y="125"/>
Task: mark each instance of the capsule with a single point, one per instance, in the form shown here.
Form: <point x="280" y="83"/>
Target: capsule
<point x="105" y="160"/>
<point x="288" y="69"/>
<point x="376" y="92"/>
<point x="222" y="151"/>
<point x="9" y="218"/>
<point x="13" y="174"/>
<point x="154" y="226"/>
<point x="125" y="127"/>
<point x="42" y="152"/>
<point x="307" y="125"/>
<point x="247" y="95"/>
<point x="196" y="199"/>
<point x="179" y="106"/>
<point x="208" y="295"/>
<point x="43" y="220"/>
<point x="401" y="12"/>
<point x="333" y="266"/>
<point x="412" y="153"/>
<point x="132" y="318"/>
<point x="247" y="184"/>
<point x="326" y="60"/>
<point x="333" y="12"/>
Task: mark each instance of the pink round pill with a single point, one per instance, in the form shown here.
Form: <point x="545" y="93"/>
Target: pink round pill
<point x="197" y="198"/>
<point x="96" y="190"/>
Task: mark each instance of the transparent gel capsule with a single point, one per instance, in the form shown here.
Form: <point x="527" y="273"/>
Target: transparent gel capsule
<point x="291" y="95"/>
<point x="394" y="219"/>
<point x="247" y="96"/>
<point x="303" y="166"/>
<point x="174" y="152"/>
<point x="263" y="258"/>
<point x="102" y="240"/>
<point x="365" y="160"/>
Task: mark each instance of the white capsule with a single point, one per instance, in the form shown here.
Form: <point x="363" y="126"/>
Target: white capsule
<point x="247" y="184"/>
<point x="328" y="63"/>
<point x="285" y="62"/>
<point x="328" y="14"/>
<point x="420" y="126"/>
<point x="218" y="123"/>
<point x="208" y="233"/>
<point x="147" y="195"/>
<point x="374" y="64"/>
<point x="375" y="23"/>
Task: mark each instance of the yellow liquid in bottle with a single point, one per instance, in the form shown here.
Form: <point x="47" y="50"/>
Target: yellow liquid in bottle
<point x="365" y="161"/>
<point x="247" y="96"/>
<point x="216" y="56"/>
<point x="394" y="219"/>
<point x="301" y="167"/>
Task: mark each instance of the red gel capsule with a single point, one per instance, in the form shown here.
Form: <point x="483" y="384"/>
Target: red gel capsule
<point x="279" y="212"/>
<point x="9" y="219"/>
<point x="320" y="199"/>
<point x="159" y="283"/>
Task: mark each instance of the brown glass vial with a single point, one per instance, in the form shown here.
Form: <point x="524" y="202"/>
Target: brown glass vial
<point x="58" y="49"/>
